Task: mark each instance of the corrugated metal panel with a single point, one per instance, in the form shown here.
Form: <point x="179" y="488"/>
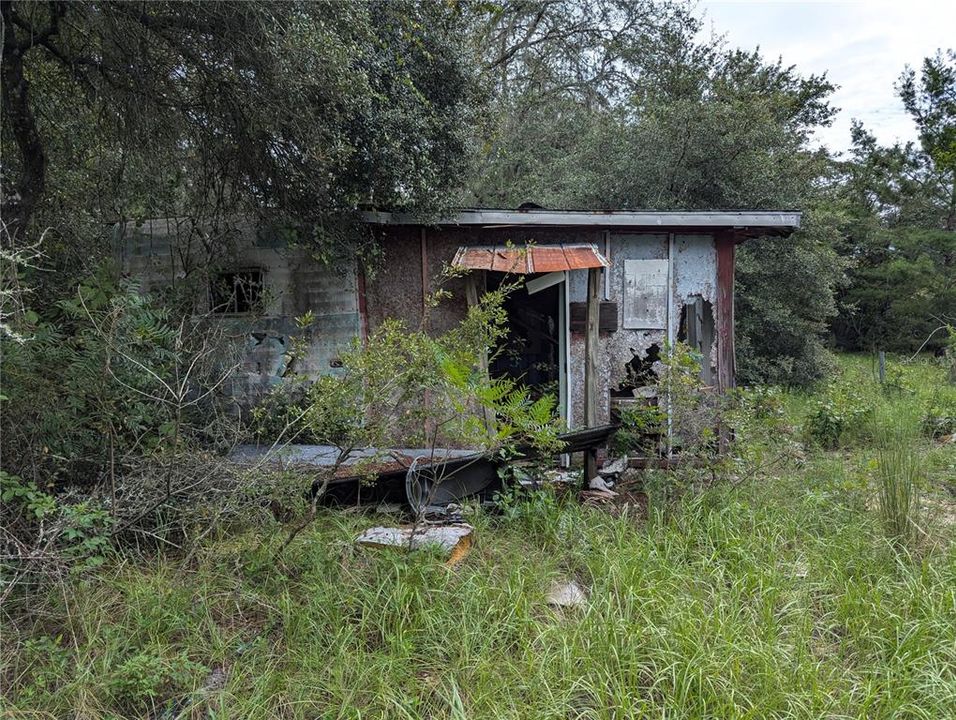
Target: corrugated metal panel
<point x="528" y="260"/>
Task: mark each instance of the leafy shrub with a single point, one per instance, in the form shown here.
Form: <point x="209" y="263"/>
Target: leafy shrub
<point x="939" y="420"/>
<point x="280" y="416"/>
<point x="47" y="666"/>
<point x="50" y="529"/>
<point x="841" y="410"/>
<point x="641" y="427"/>
<point x="763" y="402"/>
<point x="896" y="383"/>
<point x="95" y="379"/>
<point x="145" y="677"/>
<point x="695" y="411"/>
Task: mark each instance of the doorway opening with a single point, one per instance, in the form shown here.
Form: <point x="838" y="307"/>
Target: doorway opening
<point x="534" y="350"/>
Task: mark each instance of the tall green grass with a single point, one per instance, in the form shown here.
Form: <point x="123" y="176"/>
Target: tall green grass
<point x="772" y="596"/>
<point x="901" y="473"/>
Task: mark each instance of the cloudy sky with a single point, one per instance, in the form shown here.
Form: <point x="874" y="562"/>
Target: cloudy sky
<point x="862" y="46"/>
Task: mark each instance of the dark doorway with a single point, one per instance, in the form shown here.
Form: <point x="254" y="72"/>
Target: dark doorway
<point x="531" y="352"/>
<point x="697" y="330"/>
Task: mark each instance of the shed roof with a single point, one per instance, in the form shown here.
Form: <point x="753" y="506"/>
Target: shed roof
<point x="531" y="259"/>
<point x="762" y="222"/>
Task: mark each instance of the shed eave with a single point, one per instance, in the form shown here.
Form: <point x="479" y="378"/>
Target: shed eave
<point x="773" y="221"/>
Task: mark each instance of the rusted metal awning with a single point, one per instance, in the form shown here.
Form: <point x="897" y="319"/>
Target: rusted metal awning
<point x="528" y="260"/>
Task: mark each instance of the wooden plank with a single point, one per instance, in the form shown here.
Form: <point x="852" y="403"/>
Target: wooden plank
<point x="543" y="282"/>
<point x="725" y="311"/>
<point x="607" y="317"/>
<point x="591" y="340"/>
<point x="725" y="244"/>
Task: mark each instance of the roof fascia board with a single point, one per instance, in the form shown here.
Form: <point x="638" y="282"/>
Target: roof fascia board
<point x="622" y="219"/>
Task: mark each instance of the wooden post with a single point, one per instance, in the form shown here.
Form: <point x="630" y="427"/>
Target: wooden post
<point x="471" y="297"/>
<point x="882" y="367"/>
<point x="591" y="365"/>
<point x="725" y="245"/>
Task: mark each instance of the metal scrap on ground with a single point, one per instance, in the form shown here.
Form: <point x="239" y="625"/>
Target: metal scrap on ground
<point x="454" y="540"/>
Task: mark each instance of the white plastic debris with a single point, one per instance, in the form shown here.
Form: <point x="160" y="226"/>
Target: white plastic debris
<point x="599" y="483"/>
<point x="615" y="467"/>
<point x="565" y="593"/>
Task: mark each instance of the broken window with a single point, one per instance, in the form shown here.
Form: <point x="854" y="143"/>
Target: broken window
<point x="640" y="372"/>
<point x="236" y="291"/>
<point x="697" y="330"/>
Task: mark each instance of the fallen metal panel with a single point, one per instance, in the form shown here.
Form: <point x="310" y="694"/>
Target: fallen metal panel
<point x="431" y="477"/>
<point x="382" y="462"/>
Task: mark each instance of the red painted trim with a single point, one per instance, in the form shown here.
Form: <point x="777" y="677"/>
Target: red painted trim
<point x="726" y="363"/>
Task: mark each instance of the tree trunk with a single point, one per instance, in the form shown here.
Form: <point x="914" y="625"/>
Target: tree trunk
<point x="18" y="205"/>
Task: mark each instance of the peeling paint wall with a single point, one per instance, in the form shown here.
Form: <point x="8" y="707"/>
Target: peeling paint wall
<point x="397" y="288"/>
<point x="618" y="348"/>
<point x="164" y="253"/>
<point x="295" y="284"/>
<point x="694" y="272"/>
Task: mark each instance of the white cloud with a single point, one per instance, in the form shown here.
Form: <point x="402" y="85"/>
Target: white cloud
<point x="862" y="46"/>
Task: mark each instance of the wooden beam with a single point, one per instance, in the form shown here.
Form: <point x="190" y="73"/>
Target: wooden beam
<point x="591" y="340"/>
<point x="725" y="243"/>
<point x="473" y="280"/>
<point x="543" y="282"/>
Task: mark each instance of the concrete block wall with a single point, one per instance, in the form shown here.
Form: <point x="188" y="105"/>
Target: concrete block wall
<point x="163" y="254"/>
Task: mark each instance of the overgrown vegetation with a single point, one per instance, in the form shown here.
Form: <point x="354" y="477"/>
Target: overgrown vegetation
<point x="778" y="591"/>
<point x="809" y="573"/>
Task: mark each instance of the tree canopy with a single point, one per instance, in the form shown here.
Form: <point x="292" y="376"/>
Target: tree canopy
<point x="115" y="110"/>
<point x="307" y="111"/>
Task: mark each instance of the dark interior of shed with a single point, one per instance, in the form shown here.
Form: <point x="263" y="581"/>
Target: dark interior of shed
<point x="531" y="350"/>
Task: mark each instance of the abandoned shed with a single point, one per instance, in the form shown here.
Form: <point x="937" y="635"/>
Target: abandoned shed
<point x="604" y="292"/>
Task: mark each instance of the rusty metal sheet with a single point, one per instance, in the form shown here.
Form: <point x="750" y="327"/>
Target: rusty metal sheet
<point x="531" y="260"/>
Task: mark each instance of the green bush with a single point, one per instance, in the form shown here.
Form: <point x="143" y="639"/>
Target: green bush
<point x="81" y="387"/>
<point x="762" y="402"/>
<point x="640" y="430"/>
<point x="939" y="420"/>
<point x="280" y="416"/>
<point x="73" y="534"/>
<point x="144" y="678"/>
<point x="841" y="410"/>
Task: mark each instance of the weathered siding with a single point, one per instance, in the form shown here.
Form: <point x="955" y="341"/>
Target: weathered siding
<point x="157" y="253"/>
<point x="164" y="253"/>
